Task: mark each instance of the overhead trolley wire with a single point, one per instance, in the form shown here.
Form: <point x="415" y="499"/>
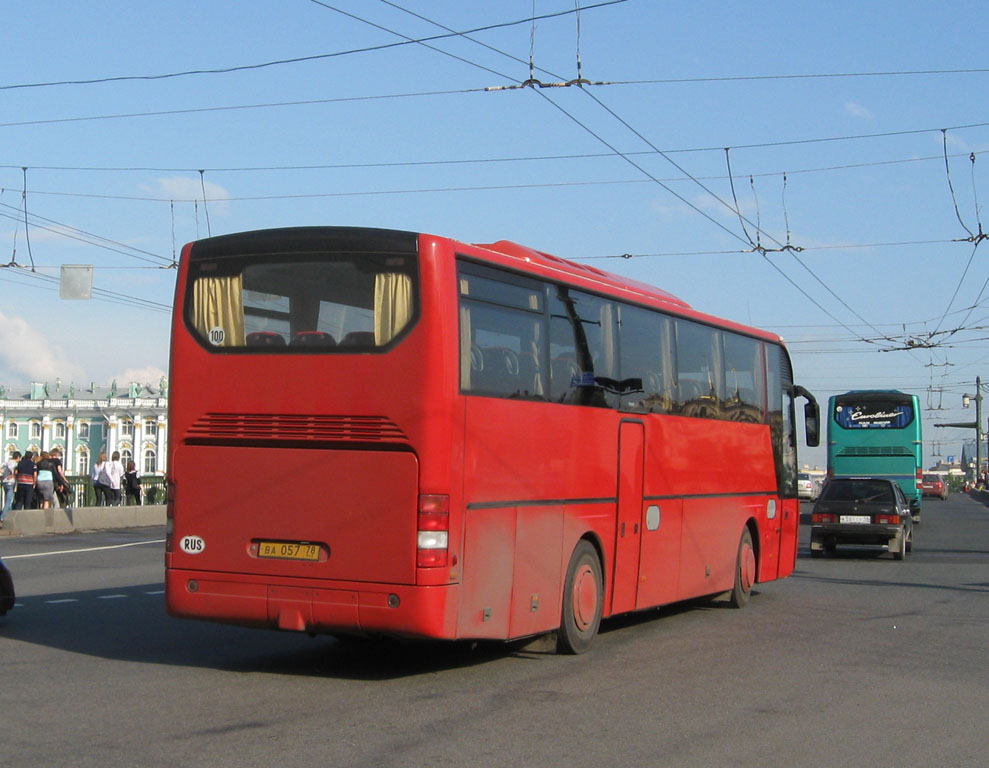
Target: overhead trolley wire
<point x="298" y="59"/>
<point x="478" y="161"/>
<point x="761" y="251"/>
<point x="74" y="233"/>
<point x="642" y="170"/>
<point x="406" y="37"/>
<point x="805" y="76"/>
<point x="973" y="238"/>
<point x="50" y="282"/>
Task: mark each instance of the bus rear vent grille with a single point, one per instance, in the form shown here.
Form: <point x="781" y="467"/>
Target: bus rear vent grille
<point x="874" y="450"/>
<point x="281" y="428"/>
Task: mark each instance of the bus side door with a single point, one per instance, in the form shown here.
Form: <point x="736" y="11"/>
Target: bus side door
<point x="628" y="533"/>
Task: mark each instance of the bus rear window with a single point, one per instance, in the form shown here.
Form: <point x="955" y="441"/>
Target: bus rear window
<point x="302" y="305"/>
<point x="873" y="414"/>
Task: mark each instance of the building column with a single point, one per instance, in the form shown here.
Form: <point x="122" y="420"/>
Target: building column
<point x="162" y="445"/>
<point x="46" y="432"/>
<point x="113" y="425"/>
<point x="70" y="457"/>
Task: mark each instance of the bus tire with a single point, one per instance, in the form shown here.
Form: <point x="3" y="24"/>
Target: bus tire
<point x="583" y="600"/>
<point x="745" y="571"/>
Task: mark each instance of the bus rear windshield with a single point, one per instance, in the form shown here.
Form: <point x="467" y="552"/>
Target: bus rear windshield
<point x="305" y="303"/>
<point x="873" y="414"/>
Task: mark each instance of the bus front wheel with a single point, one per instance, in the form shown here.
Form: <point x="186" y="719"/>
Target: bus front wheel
<point x="583" y="599"/>
<point x="745" y="570"/>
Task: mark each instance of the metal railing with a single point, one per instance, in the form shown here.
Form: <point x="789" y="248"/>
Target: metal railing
<point x="82" y="494"/>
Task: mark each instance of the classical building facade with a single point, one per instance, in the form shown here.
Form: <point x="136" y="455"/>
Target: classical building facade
<point x="85" y="422"/>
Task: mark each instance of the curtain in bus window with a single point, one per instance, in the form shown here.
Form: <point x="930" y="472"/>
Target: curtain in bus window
<point x="466" y="350"/>
<point x="218" y="310"/>
<point x="392" y="305"/>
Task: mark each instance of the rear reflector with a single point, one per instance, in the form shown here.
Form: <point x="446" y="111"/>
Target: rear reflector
<point x="433" y="539"/>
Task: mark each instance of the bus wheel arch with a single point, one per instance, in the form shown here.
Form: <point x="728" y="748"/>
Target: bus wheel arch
<point x="583" y="598"/>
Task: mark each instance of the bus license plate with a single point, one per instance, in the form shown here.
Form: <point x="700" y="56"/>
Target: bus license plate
<point x="859" y="519"/>
<point x="288" y="550"/>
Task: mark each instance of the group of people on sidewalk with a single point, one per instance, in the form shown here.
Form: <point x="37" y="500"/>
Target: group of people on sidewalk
<point x="110" y="480"/>
<point x="27" y="481"/>
<point x="31" y="481"/>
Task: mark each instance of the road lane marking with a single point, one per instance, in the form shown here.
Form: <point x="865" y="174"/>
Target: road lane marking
<point x="87" y="549"/>
<point x="64" y="600"/>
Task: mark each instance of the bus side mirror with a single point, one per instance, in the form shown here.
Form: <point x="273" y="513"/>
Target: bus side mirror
<point x="812" y="423"/>
<point x="812" y="416"/>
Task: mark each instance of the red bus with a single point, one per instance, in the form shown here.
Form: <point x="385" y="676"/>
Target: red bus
<point x="383" y="432"/>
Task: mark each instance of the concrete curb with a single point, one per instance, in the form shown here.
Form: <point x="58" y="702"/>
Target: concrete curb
<point x="34" y="522"/>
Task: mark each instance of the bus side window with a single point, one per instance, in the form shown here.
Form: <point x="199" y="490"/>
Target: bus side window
<point x="745" y="379"/>
<point x="502" y="336"/>
<point x="583" y="343"/>
<point x="643" y="335"/>
<point x="779" y="378"/>
<point x="699" y="370"/>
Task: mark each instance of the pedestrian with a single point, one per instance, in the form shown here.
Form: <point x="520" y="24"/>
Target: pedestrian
<point x="61" y="481"/>
<point x="45" y="483"/>
<point x="9" y="483"/>
<point x="132" y="484"/>
<point x="111" y="475"/>
<point x="101" y="489"/>
<point x="27" y="476"/>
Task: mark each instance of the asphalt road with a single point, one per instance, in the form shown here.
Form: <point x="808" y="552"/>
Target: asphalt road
<point x="856" y="660"/>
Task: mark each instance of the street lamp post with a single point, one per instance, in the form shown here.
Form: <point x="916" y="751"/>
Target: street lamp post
<point x="977" y="424"/>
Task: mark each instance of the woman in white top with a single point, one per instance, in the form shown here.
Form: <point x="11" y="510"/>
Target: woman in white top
<point x="100" y="487"/>
<point x="111" y="474"/>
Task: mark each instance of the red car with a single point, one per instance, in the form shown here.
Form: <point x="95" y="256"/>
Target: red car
<point x="933" y="485"/>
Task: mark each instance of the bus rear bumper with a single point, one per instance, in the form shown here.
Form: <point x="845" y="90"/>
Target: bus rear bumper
<point x="294" y="605"/>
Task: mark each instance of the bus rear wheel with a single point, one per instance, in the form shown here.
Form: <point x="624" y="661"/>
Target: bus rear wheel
<point x="583" y="600"/>
<point x="745" y="571"/>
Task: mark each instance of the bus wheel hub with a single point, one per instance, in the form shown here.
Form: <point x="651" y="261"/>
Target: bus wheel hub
<point x="585" y="597"/>
<point x="747" y="568"/>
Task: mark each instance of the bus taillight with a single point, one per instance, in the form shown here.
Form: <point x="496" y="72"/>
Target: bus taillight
<point x="433" y="531"/>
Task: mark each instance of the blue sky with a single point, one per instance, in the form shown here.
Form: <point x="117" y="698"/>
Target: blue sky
<point x="854" y="102"/>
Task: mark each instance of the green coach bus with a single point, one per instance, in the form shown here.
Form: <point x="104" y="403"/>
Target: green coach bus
<point x="877" y="433"/>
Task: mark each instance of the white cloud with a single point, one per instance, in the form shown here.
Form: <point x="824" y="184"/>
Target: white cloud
<point x="27" y="354"/>
<point x="188" y="189"/>
<point x="149" y="374"/>
<point x="954" y="141"/>
<point x="857" y="110"/>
